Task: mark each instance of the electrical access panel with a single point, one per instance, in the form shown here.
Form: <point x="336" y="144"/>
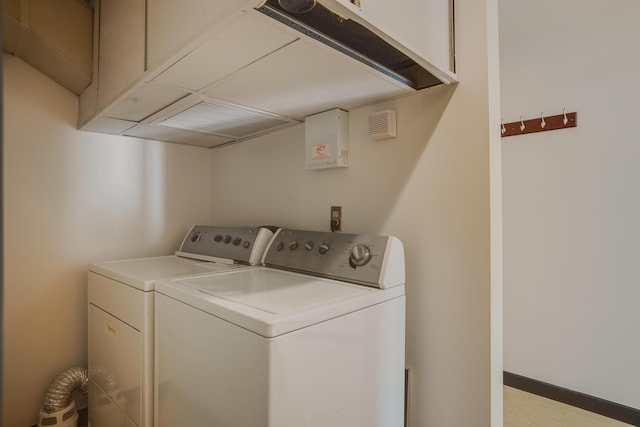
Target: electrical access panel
<point x="327" y="140"/>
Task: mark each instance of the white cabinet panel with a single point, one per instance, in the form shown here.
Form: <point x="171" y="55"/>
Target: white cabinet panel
<point x="423" y="27"/>
<point x="104" y="124"/>
<point x="164" y="133"/>
<point x="230" y="50"/>
<point x="121" y="47"/>
<point x="299" y="80"/>
<point x="172" y="24"/>
<point x="145" y="101"/>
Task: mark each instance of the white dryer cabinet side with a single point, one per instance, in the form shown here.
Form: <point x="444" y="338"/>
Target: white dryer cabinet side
<point x="120" y="339"/>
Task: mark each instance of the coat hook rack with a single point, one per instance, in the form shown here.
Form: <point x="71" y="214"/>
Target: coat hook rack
<point x="540" y="124"/>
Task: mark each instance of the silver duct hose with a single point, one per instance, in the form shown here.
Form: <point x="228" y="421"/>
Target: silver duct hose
<point x="59" y="393"/>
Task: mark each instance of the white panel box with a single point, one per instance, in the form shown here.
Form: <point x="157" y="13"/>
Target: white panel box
<point x="327" y="140"/>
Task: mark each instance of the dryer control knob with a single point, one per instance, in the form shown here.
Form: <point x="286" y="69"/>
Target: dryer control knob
<point x="323" y="248"/>
<point x="360" y="255"/>
<point x="308" y="246"/>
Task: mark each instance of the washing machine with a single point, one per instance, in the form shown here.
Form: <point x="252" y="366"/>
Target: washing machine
<point x="314" y="338"/>
<point x="121" y="316"/>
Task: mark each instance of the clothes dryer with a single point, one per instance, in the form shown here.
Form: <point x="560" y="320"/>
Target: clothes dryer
<point x="315" y="338"/>
<point x="121" y="298"/>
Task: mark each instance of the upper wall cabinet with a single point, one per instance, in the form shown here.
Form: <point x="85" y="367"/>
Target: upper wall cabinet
<point x="208" y="73"/>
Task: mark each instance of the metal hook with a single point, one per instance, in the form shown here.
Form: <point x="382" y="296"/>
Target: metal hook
<point x="502" y="128"/>
<point x="521" y="124"/>
<point x="542" y="123"/>
<point x="564" y="120"/>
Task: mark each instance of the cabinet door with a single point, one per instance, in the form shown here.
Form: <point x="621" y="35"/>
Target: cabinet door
<point x="422" y="26"/>
<point x="121" y="47"/>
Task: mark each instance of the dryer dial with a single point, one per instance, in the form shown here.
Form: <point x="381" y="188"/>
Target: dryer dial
<point x="359" y="256"/>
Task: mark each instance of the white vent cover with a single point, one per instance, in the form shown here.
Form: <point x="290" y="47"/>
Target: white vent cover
<point x="225" y="120"/>
<point x="382" y="125"/>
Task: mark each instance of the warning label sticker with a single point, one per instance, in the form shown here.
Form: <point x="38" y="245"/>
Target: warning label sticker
<point x="320" y="152"/>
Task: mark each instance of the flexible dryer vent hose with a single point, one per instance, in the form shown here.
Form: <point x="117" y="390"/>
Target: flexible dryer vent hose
<point x="59" y="393"/>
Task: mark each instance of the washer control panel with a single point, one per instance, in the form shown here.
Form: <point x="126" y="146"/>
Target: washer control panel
<point x="356" y="258"/>
<point x="241" y="244"/>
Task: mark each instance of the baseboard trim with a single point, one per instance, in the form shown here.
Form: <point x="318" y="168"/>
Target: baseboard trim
<point x="607" y="408"/>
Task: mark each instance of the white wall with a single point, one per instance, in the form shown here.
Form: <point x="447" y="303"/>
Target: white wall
<point x="571" y="197"/>
<point x="430" y="187"/>
<point x="70" y="198"/>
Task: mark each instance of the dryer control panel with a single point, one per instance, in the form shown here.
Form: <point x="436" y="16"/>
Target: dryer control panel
<point x="231" y="244"/>
<point x="365" y="259"/>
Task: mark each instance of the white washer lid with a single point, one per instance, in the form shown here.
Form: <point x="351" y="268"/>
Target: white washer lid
<point x="273" y="302"/>
<point x="142" y="273"/>
<point x="275" y="292"/>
